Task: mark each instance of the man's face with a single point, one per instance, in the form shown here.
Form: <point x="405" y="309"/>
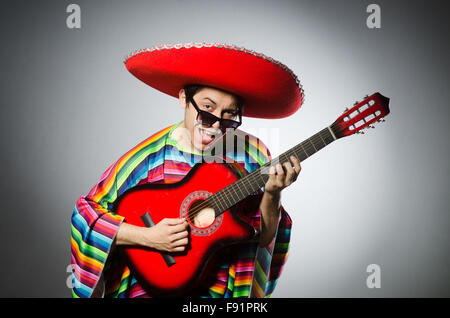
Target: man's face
<point x="214" y="101"/>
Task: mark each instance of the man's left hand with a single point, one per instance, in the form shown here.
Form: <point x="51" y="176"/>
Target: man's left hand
<point x="280" y="178"/>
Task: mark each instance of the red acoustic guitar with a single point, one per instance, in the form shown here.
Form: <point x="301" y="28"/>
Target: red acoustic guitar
<point x="217" y="186"/>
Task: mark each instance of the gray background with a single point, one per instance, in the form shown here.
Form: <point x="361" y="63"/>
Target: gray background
<point x="69" y="109"/>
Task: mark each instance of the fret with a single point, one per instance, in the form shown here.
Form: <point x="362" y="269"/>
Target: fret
<point x="237" y="183"/>
<point x="304" y="151"/>
<point x="234" y="199"/>
<point x="312" y="144"/>
<point x="251" y="190"/>
<point x="263" y="176"/>
<point x="227" y="198"/>
<point x="318" y="142"/>
<point x="232" y="188"/>
<point x="242" y="188"/>
<point x="320" y="135"/>
<point x="224" y="203"/>
<point x="212" y="202"/>
<point x="310" y="149"/>
<point x="241" y="183"/>
<point x="218" y="202"/>
<point x="327" y="136"/>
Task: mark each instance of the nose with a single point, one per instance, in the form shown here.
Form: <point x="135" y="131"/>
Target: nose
<point x="216" y="125"/>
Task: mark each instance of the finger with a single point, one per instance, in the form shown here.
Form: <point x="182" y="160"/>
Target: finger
<point x="280" y="170"/>
<point x="296" y="163"/>
<point x="290" y="173"/>
<point x="182" y="242"/>
<point x="180" y="236"/>
<point x="272" y="170"/>
<point x="175" y="221"/>
<point x="178" y="228"/>
<point x="178" y="249"/>
<point x="280" y="175"/>
<point x="272" y="174"/>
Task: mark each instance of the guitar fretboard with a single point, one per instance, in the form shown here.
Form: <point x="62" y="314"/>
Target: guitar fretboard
<point x="251" y="183"/>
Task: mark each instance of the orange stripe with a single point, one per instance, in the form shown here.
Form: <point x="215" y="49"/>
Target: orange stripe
<point x="257" y="291"/>
<point x="112" y="175"/>
<point x="85" y="260"/>
<point x="259" y="145"/>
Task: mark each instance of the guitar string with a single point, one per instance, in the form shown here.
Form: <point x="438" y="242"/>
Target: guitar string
<point x="223" y="194"/>
<point x="226" y="192"/>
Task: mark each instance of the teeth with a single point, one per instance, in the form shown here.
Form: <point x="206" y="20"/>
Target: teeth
<point x="208" y="133"/>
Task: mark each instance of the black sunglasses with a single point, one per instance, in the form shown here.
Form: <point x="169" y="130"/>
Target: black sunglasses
<point x="208" y="119"/>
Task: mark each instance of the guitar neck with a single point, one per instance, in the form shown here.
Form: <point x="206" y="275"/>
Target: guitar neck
<point x="251" y="183"/>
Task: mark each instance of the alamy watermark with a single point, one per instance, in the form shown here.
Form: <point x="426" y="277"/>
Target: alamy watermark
<point x="229" y="145"/>
<point x="373" y="21"/>
<point x="374" y="278"/>
<point x="73" y="280"/>
<point x="73" y="20"/>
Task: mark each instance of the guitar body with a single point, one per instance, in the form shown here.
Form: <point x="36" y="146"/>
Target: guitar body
<point x="175" y="200"/>
<point x="148" y="204"/>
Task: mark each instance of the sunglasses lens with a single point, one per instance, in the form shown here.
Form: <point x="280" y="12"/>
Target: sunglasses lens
<point x="228" y="123"/>
<point x="206" y="118"/>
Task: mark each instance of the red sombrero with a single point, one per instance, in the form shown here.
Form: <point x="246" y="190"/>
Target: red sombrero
<point x="269" y="88"/>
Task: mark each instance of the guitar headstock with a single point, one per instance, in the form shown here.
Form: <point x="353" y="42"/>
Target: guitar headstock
<point x="362" y="115"/>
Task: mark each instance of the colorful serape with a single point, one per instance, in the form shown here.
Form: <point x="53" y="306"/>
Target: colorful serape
<point x="97" y="269"/>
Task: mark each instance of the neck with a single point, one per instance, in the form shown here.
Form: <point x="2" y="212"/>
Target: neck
<point x="183" y="137"/>
<point x="251" y="183"/>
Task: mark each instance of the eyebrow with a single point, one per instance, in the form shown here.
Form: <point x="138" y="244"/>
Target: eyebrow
<point x="224" y="110"/>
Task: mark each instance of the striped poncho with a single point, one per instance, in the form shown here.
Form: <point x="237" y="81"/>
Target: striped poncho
<point x="245" y="270"/>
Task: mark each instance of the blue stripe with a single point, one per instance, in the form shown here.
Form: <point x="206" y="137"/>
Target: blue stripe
<point x="88" y="235"/>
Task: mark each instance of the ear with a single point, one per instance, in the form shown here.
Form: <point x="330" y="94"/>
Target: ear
<point x="182" y="98"/>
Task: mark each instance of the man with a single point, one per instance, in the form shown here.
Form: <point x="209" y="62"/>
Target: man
<point x="216" y="85"/>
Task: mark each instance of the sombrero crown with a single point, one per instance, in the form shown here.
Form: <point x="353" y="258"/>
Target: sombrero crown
<point x="269" y="88"/>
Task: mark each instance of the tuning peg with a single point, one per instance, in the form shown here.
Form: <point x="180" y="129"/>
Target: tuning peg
<point x="345" y="110"/>
<point x="355" y="103"/>
<point x="381" y="120"/>
<point x="366" y="96"/>
<point x="361" y="132"/>
<point x="371" y="126"/>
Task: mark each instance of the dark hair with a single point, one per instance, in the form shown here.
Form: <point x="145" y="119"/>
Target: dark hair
<point x="192" y="89"/>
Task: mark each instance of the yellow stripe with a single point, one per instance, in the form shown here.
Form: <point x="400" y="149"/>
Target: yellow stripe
<point x="106" y="188"/>
<point x="88" y="260"/>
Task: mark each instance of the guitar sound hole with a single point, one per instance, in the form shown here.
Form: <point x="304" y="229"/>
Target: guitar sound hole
<point x="201" y="214"/>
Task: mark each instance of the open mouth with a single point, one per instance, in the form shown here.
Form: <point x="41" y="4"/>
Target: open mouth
<point x="207" y="136"/>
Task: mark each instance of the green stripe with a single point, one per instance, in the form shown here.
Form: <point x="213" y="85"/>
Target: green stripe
<point x="136" y="159"/>
<point x="74" y="295"/>
<point x="124" y="285"/>
<point x="281" y="248"/>
<point x="257" y="154"/>
<point x="259" y="274"/>
<point x="86" y="249"/>
<point x="128" y="168"/>
<point x="241" y="291"/>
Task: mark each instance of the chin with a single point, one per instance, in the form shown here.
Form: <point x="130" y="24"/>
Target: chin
<point x="201" y="147"/>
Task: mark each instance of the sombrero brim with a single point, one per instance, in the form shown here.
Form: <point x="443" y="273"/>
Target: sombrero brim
<point x="268" y="87"/>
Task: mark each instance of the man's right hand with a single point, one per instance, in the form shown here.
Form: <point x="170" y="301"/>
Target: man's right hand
<point x="169" y="235"/>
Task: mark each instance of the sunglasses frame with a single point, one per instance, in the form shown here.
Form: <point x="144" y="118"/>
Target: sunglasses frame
<point x="217" y="119"/>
